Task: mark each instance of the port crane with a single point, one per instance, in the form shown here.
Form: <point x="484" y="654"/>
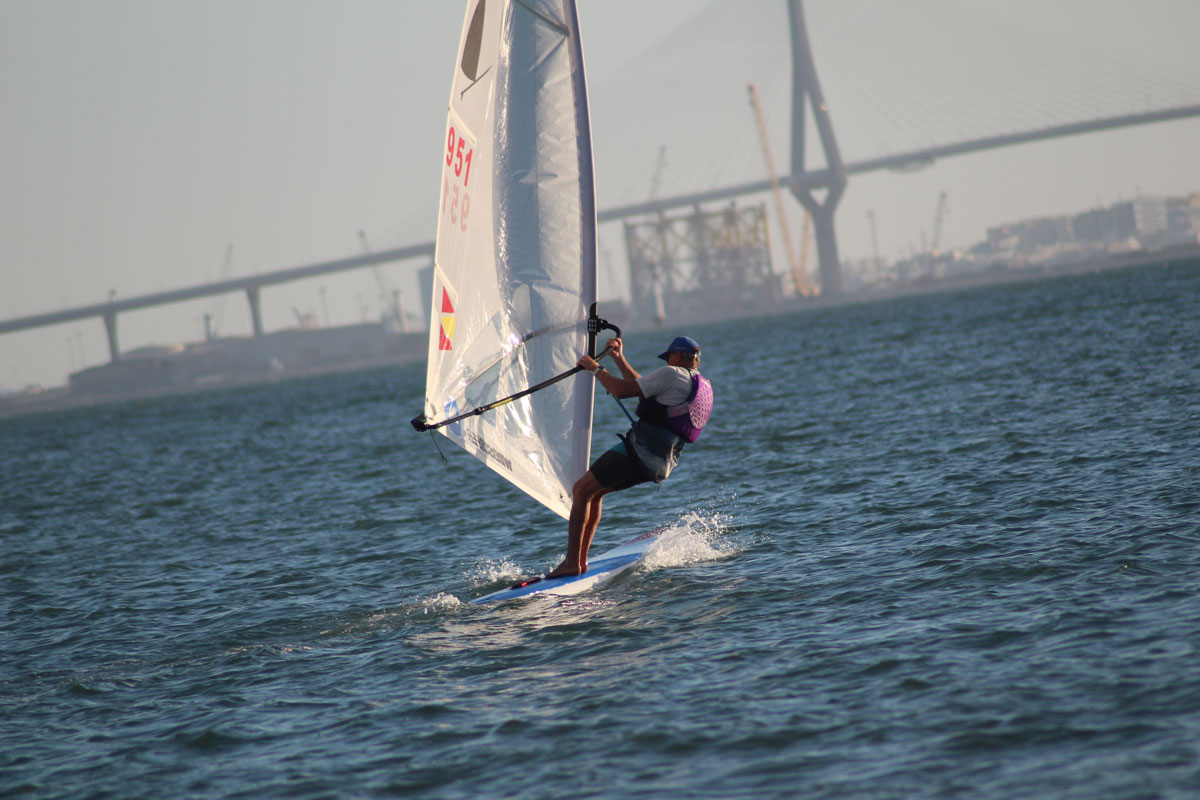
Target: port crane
<point x="389" y="298"/>
<point x="939" y="218"/>
<point x="212" y="320"/>
<point x="660" y="169"/>
<point x="798" y="266"/>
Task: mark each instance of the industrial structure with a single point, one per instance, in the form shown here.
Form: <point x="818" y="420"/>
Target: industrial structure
<point x="689" y="265"/>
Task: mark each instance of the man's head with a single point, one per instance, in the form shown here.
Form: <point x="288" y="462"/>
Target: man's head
<point x="683" y="352"/>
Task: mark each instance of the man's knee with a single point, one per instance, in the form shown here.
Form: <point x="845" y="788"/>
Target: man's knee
<point x="586" y="488"/>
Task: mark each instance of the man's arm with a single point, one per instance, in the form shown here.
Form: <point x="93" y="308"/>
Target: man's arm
<point x="618" y="357"/>
<point x="618" y="387"/>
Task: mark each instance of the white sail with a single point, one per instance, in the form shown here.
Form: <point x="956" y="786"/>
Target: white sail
<point x="515" y="264"/>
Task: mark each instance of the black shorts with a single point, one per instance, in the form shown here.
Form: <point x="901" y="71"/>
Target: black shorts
<point x="616" y="470"/>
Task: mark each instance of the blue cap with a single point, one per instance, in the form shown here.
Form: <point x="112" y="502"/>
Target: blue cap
<point x="682" y="344"/>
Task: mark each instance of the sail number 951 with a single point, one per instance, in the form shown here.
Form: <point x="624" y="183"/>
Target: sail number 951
<point x="456" y="201"/>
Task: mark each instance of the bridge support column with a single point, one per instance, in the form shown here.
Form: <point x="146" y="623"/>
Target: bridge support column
<point x="255" y="309"/>
<point x="110" y="325"/>
<point x="828" y="258"/>
<point x="805" y="86"/>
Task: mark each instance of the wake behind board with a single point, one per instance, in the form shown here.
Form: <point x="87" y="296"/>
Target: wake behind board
<point x="601" y="569"/>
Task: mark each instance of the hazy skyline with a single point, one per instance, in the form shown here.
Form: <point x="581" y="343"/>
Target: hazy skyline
<point x="141" y="139"/>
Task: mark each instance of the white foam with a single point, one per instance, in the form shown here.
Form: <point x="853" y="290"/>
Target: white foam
<point x="440" y="602"/>
<point x="488" y="571"/>
<point x="694" y="537"/>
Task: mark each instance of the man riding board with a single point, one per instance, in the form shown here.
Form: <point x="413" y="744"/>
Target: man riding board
<point x="675" y="403"/>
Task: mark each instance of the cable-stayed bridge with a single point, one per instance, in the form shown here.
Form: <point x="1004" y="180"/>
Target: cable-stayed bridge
<point x="1054" y="97"/>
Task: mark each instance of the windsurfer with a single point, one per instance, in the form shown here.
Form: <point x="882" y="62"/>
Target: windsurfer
<point x="674" y="405"/>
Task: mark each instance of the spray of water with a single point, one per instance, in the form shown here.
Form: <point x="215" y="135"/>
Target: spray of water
<point x="488" y="571"/>
<point x="695" y="536"/>
<point x="440" y="602"/>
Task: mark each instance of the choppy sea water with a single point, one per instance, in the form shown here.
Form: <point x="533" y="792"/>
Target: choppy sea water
<point x="943" y="546"/>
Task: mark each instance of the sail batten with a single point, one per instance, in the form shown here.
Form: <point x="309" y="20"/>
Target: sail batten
<point x="515" y="263"/>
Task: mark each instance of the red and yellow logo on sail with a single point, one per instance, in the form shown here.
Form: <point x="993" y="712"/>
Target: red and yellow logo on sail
<point x="446" y="333"/>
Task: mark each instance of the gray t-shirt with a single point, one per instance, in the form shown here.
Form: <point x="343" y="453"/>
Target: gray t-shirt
<point x="656" y="448"/>
<point x="668" y="385"/>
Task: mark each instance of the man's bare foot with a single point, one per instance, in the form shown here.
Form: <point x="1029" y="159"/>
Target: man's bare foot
<point x="565" y="570"/>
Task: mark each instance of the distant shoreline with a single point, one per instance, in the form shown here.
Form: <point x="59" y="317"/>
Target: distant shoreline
<point x="65" y="397"/>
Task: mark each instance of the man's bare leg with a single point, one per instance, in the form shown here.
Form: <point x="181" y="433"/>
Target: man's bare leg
<point x="585" y="504"/>
<point x="591" y="522"/>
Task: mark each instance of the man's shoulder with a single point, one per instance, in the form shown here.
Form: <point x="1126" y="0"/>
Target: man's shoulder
<point x="667" y="374"/>
<point x="664" y="379"/>
<point x="667" y="371"/>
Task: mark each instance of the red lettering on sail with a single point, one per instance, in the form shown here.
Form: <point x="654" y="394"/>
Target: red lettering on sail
<point x="456" y="201"/>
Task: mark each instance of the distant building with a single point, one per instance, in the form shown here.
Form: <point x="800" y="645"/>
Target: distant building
<point x="1164" y="221"/>
<point x="1149" y="215"/>
<point x="1030" y="235"/>
<point x="1102" y="225"/>
<point x="1183" y="214"/>
<point x="1143" y="224"/>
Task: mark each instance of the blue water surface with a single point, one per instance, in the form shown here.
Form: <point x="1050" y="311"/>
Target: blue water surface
<point x="936" y="546"/>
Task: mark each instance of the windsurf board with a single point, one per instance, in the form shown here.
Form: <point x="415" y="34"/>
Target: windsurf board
<point x="601" y="569"/>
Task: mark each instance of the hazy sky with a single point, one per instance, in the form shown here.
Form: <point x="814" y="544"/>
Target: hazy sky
<point x="139" y="139"/>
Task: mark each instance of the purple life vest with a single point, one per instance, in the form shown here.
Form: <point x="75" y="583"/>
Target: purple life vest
<point x="686" y="419"/>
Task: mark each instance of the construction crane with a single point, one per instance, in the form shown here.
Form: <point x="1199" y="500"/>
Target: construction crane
<point x="874" y="240"/>
<point x="660" y="169"/>
<point x="939" y="217"/>
<point x="798" y="267"/>
<point x="660" y="308"/>
<point x="212" y="321"/>
<point x="389" y="299"/>
<point x="307" y="320"/>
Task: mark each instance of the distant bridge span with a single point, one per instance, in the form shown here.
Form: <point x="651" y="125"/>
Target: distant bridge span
<point x="816" y="179"/>
<point x="251" y="285"/>
<point x="812" y="179"/>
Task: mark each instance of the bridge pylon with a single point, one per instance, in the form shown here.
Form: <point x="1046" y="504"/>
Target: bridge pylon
<point x="806" y="89"/>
